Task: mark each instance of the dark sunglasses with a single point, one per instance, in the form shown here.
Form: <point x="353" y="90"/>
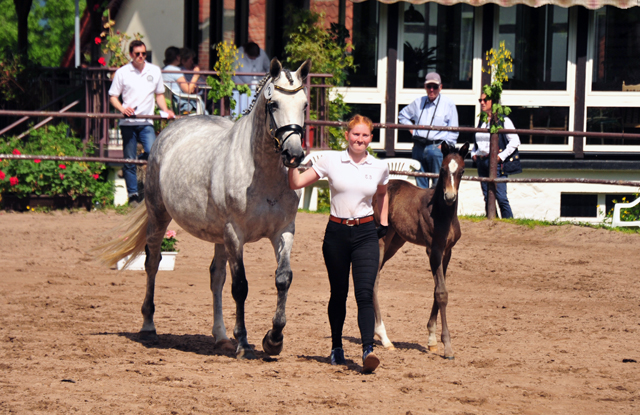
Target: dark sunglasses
<point x="481" y="100"/>
<point x="432" y="86"/>
<point x="140" y="53"/>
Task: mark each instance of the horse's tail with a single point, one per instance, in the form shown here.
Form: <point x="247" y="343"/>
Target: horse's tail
<point x="131" y="239"/>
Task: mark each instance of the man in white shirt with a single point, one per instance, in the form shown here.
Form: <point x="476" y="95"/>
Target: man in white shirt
<point x="138" y="82"/>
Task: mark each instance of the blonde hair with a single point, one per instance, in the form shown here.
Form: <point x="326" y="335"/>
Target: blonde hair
<point x="359" y="119"/>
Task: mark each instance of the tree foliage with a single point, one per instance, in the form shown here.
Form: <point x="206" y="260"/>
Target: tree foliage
<point x="50" y="29"/>
<point x="500" y="65"/>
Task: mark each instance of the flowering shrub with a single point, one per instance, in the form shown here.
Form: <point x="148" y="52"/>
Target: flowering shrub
<point x="114" y="43"/>
<point x="48" y="177"/>
<point x="500" y="65"/>
<point x="629" y="214"/>
<point x="226" y="67"/>
<point x="169" y="242"/>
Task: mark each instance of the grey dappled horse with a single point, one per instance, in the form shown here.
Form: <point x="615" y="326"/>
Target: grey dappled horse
<point x="426" y="217"/>
<point x="226" y="183"/>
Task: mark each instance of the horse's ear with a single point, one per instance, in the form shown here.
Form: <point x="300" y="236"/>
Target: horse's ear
<point x="275" y="68"/>
<point x="304" y="70"/>
<point x="464" y="150"/>
<point x="445" y="149"/>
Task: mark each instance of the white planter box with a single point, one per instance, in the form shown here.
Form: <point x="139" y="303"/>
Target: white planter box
<point x="167" y="263"/>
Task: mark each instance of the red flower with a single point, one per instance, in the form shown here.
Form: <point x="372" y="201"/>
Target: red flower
<point x="102" y="62"/>
<point x="16" y="152"/>
<point x="96" y="176"/>
<point x="61" y="176"/>
<point x="96" y="7"/>
<point x="62" y="166"/>
<point x="98" y="40"/>
<point x="36" y="161"/>
<point x="13" y="181"/>
<point x="2" y="175"/>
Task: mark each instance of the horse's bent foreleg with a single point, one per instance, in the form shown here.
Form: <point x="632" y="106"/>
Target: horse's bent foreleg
<point x="155" y="232"/>
<point x="441" y="298"/>
<point x="218" y="275"/>
<point x="273" y="340"/>
<point x="389" y="245"/>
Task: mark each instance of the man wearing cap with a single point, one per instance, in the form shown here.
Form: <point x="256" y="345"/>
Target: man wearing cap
<point x="436" y="110"/>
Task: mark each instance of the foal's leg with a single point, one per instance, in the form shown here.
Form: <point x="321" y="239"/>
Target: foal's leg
<point x="156" y="228"/>
<point x="239" y="289"/>
<point x="441" y="298"/>
<point x="272" y="341"/>
<point x="389" y="245"/>
<point x="218" y="275"/>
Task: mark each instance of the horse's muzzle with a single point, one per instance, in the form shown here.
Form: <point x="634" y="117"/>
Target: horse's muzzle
<point x="450" y="198"/>
<point x="291" y="161"/>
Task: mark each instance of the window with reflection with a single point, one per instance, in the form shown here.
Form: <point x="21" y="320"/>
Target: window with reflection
<point x="616" y="65"/>
<point x="541" y="118"/>
<point x="438" y="38"/>
<point x="538" y="41"/>
<point x="364" y="37"/>
<point x="613" y="120"/>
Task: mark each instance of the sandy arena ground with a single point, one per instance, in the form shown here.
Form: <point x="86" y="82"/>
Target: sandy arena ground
<point x="543" y="321"/>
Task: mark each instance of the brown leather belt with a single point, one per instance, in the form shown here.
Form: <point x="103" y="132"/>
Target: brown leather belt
<point x="351" y="221"/>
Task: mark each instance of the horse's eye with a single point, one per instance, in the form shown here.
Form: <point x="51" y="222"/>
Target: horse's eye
<point x="306" y="104"/>
<point x="274" y="105"/>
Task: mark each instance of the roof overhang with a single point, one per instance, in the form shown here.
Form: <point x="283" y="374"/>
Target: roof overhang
<point x="589" y="4"/>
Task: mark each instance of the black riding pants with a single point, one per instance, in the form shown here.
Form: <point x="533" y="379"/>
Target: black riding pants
<point x="356" y="247"/>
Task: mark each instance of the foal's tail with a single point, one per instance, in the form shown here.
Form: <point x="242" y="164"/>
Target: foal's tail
<point x="131" y="239"/>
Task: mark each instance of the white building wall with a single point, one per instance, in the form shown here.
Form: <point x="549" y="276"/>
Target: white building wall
<point x="542" y="200"/>
<point x="161" y="23"/>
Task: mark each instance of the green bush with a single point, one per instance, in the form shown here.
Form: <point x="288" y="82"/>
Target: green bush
<point x="48" y="177"/>
<point x="629" y="214"/>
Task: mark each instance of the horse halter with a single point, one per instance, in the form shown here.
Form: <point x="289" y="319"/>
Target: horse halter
<point x="274" y="130"/>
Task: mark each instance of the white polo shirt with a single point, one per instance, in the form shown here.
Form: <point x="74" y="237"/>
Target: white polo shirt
<point x="352" y="185"/>
<point x="138" y="89"/>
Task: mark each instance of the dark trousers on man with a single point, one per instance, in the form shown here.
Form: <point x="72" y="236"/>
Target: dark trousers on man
<point x="353" y="247"/>
<point x="501" y="188"/>
<point x="131" y="136"/>
<point x="430" y="158"/>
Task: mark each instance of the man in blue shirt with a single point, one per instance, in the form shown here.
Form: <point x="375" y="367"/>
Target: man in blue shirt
<point x="436" y="110"/>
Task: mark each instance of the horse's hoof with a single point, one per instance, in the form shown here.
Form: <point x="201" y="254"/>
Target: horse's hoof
<point x="433" y="349"/>
<point x="245" y="354"/>
<point x="449" y="357"/>
<point x="269" y="346"/>
<point x="225" y="345"/>
<point x="148" y="335"/>
<point x="390" y="347"/>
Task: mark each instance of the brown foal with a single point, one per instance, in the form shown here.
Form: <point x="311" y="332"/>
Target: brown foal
<point x="426" y="217"/>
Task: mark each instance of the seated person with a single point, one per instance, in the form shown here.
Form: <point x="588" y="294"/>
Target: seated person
<point x="252" y="60"/>
<point x="178" y="82"/>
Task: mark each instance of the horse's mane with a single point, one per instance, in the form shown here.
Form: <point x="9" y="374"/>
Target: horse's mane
<point x="261" y="85"/>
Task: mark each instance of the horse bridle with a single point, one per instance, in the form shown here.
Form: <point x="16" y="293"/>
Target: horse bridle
<point x="274" y="130"/>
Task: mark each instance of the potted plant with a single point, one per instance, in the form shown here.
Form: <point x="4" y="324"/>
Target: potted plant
<point x="167" y="262"/>
<point x="49" y="183"/>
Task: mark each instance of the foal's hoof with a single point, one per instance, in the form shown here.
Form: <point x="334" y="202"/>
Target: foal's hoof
<point x="148" y="335"/>
<point x="270" y="347"/>
<point x="449" y="357"/>
<point x="433" y="349"/>
<point x="225" y="345"/>
<point x="245" y="354"/>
